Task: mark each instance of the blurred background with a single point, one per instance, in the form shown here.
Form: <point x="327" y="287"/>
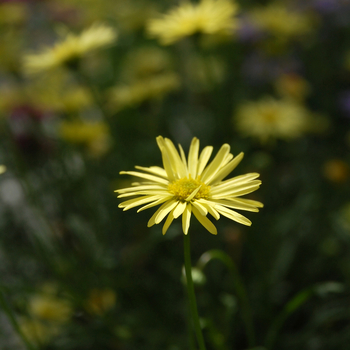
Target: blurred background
<point x="85" y="88"/>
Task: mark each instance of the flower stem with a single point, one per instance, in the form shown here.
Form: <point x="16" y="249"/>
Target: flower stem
<point x="191" y="294"/>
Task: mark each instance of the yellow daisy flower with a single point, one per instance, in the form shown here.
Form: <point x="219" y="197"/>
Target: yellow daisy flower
<point x="186" y="186"/>
<point x="71" y="48"/>
<point x="208" y="17"/>
<point x="271" y="118"/>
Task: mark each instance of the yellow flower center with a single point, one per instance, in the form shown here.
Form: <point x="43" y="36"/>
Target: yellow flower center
<point x="183" y="188"/>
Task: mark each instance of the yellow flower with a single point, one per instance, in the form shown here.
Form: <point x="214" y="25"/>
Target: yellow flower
<point x="272" y="118"/>
<point x="154" y="87"/>
<point x="70" y="48"/>
<point x="95" y="135"/>
<point x="208" y="17"/>
<point x="50" y="308"/>
<point x="281" y="21"/>
<point x="191" y="186"/>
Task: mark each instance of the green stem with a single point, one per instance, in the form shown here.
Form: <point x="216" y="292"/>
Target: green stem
<point x="11" y="317"/>
<point x="191" y="294"/>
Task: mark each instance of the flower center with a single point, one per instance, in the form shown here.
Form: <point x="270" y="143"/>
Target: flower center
<point x="183" y="188"/>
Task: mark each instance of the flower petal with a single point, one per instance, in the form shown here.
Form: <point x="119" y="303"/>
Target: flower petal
<point x="131" y="203"/>
<point x="157" y="202"/>
<point x="193" y="157"/>
<point x="227" y="169"/>
<point x="233" y="215"/>
<point x="166" y="161"/>
<point x="201" y="208"/>
<point x="203" y="159"/>
<point x="216" y="163"/>
<point x="236" y="204"/>
<point x="168" y="222"/>
<point x="146" y="176"/>
<point x="155" y="170"/>
<point x="179" y="209"/>
<point x="186" y="217"/>
<point x="140" y="187"/>
<point x="175" y="160"/>
<point x="166" y="209"/>
<point x="205" y="222"/>
<point x="210" y="207"/>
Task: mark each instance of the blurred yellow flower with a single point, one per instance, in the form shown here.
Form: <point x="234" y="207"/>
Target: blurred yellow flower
<point x="3" y="169"/>
<point x="207" y="16"/>
<point x="47" y="313"/>
<point x="70" y="48"/>
<point x="281" y="21"/>
<point x="94" y="135"/>
<point x="186" y="186"/>
<point x="50" y="308"/>
<point x="270" y="118"/>
<point x="154" y="87"/>
<point x="101" y="301"/>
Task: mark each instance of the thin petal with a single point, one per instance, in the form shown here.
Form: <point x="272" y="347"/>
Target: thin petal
<point x="179" y="209"/>
<point x="250" y="202"/>
<point x="140" y="193"/>
<point x="205" y="222"/>
<point x="210" y="207"/>
<point x="236" y="204"/>
<point x="166" y="161"/>
<point x="131" y="203"/>
<point x="155" y="170"/>
<point x="183" y="157"/>
<point x="175" y="160"/>
<point x="203" y="159"/>
<point x="201" y="208"/>
<point x="186" y="217"/>
<point x="146" y="176"/>
<point x="159" y="201"/>
<point x="227" y="169"/>
<point x="167" y="208"/>
<point x="193" y="157"/>
<point x="168" y="222"/>
<point x="233" y="215"/>
<point x="152" y="221"/>
<point x="216" y="163"/>
<point x="235" y="188"/>
<point x="194" y="192"/>
<point x="234" y="181"/>
<point x="144" y="187"/>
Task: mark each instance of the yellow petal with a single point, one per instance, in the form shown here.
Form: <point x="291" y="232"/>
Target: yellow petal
<point x="233" y="215"/>
<point x="227" y="169"/>
<point x="201" y="208"/>
<point x="186" y="217"/>
<point x="146" y="176"/>
<point x="203" y="159"/>
<point x="168" y="222"/>
<point x="166" y="209"/>
<point x="193" y="157"/>
<point x="179" y="209"/>
<point x="216" y="163"/>
<point x="205" y="222"/>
